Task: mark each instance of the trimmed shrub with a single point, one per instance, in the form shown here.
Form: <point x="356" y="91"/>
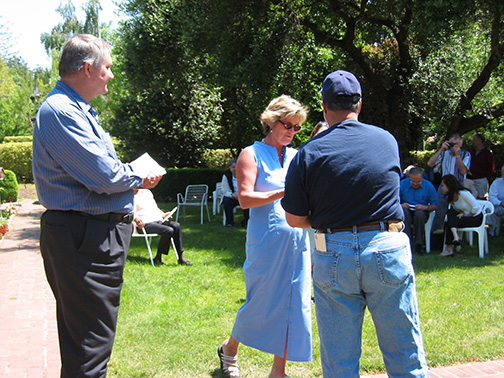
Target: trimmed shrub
<point x="18" y="158"/>
<point x="18" y="139"/>
<point x="9" y="189"/>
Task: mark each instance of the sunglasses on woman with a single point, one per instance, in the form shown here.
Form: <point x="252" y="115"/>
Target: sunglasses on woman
<point x="289" y="126"/>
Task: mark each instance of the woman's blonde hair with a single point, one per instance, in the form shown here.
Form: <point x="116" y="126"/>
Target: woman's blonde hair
<point x="280" y="108"/>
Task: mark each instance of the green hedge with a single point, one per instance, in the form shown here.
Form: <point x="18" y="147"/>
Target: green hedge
<point x="18" y="139"/>
<point x="9" y="189"/>
<point x="17" y="157"/>
<point x="176" y="180"/>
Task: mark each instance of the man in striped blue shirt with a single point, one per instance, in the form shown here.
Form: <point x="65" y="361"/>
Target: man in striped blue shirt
<point x="88" y="193"/>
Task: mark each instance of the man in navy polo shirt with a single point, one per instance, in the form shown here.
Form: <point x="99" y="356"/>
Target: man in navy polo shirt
<point x="345" y="184"/>
<point x="418" y="199"/>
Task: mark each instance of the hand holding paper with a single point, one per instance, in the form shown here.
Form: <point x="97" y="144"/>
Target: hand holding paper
<point x="151" y="181"/>
<point x="145" y="165"/>
<point x="147" y="168"/>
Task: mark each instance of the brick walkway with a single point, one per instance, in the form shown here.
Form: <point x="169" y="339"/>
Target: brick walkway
<point x="29" y="340"/>
<point x="28" y="333"/>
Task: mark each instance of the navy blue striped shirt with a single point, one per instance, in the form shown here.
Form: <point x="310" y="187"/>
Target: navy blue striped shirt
<point x="75" y="166"/>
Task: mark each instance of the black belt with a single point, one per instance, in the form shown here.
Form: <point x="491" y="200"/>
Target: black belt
<point x="392" y="226"/>
<point x="109" y="217"/>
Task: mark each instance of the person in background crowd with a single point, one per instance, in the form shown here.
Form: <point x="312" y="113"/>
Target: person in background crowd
<point x="482" y="166"/>
<point x="276" y="317"/>
<point x="362" y="259"/>
<point x="451" y="159"/>
<point x="86" y="230"/>
<point x="230" y="192"/>
<point x="465" y="211"/>
<point x="318" y="128"/>
<point x="496" y="197"/>
<point x="155" y="221"/>
<point x="418" y="199"/>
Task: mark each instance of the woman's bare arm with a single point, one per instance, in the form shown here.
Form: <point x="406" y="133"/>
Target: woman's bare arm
<point x="246" y="175"/>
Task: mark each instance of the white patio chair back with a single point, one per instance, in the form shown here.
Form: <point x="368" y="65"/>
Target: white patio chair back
<point x="217" y="197"/>
<point x="427" y="231"/>
<point x="195" y="195"/>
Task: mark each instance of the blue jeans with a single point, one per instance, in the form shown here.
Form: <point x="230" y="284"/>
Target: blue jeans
<point x="373" y="269"/>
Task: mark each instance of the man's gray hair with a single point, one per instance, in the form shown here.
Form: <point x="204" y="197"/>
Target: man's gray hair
<point x="80" y="49"/>
<point x="416" y="171"/>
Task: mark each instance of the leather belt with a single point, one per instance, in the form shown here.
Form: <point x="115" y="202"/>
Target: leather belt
<point x="391" y="226"/>
<point x="109" y="217"/>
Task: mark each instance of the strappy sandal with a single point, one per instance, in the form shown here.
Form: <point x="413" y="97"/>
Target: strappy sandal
<point x="231" y="370"/>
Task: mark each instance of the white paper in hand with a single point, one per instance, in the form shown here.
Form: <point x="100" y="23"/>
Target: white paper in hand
<point x="145" y="164"/>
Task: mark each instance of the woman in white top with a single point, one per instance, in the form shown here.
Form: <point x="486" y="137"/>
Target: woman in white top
<point x="465" y="211"/>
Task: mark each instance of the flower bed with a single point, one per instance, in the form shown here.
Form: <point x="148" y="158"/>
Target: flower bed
<point x="8" y="211"/>
<point x="4" y="227"/>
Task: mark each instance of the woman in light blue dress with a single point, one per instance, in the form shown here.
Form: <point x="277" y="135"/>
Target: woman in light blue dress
<point x="276" y="317"/>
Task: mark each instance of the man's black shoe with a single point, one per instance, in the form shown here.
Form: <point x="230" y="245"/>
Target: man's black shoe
<point x="183" y="261"/>
<point x="420" y="249"/>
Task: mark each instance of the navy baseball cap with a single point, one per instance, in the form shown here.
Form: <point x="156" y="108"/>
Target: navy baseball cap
<point x="341" y="87"/>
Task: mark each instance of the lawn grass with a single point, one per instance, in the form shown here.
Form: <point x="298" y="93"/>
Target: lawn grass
<point x="173" y="318"/>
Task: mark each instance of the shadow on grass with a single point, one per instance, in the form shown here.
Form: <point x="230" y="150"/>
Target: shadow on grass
<point x="466" y="258"/>
<point x="216" y="373"/>
<point x="133" y="257"/>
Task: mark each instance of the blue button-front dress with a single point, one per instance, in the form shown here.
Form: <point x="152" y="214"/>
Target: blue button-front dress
<point x="277" y="271"/>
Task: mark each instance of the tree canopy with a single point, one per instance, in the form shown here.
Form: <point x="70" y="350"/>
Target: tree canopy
<point x="427" y="66"/>
<point x="195" y="75"/>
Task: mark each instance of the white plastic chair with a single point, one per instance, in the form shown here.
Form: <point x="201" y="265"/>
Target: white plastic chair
<point x="487" y="208"/>
<point x="148" y="239"/>
<point x="195" y="195"/>
<point x="428" y="229"/>
<point x="217" y="198"/>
